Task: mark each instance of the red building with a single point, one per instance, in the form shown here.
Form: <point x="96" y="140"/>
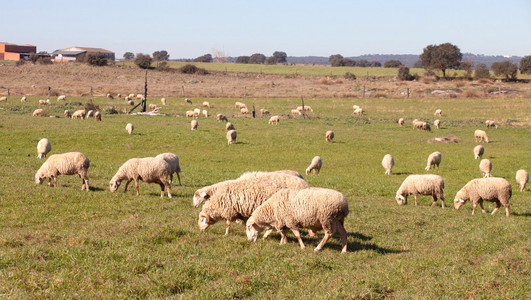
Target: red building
<point x="10" y="51"/>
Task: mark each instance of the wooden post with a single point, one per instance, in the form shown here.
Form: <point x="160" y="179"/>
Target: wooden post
<point x="244" y="91"/>
<point x="8" y="91"/>
<point x="144" y="101"/>
<point x="49" y="89"/>
<point x="221" y="91"/>
<point x="254" y="111"/>
<point x="303" y="110"/>
<point x="363" y="92"/>
<point x="408" y="92"/>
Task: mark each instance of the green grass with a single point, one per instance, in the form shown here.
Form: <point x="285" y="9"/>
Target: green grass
<point x="64" y="243"/>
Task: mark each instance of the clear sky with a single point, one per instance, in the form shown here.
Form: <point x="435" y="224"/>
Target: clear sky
<point x="188" y="29"/>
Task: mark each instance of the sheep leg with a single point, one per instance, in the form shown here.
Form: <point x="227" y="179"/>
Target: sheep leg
<point x="482" y="208"/>
<point x="227" y="227"/>
<point x="498" y="204"/>
<point x="55" y="181"/>
<point x="283" y="239"/>
<point x="136" y="187"/>
<point x="298" y="236"/>
<point x="507" y="210"/>
<point x="474" y="204"/>
<point x="327" y="235"/>
<point x="162" y="190"/>
<point x="171" y="178"/>
<point x="126" y="184"/>
<point x="442" y="201"/>
<point x="267" y="233"/>
<point x="415" y="199"/>
<point x="343" y="235"/>
<point x="178" y="177"/>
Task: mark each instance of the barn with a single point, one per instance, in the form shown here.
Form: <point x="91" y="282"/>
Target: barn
<point x="80" y="53"/>
<point x="10" y="51"/>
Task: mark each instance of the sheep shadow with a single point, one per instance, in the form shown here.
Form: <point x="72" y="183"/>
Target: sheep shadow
<point x="402" y="173"/>
<point x="526" y="214"/>
<point x="95" y="189"/>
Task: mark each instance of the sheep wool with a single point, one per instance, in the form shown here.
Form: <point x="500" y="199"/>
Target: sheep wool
<point x="401" y="122"/>
<point x="490" y="123"/>
<point x="522" y="177"/>
<point x="23" y="99"/>
<point x="206" y="192"/>
<point x="438" y="112"/>
<point x="231" y="136"/>
<point x="492" y="189"/>
<point x="70" y="163"/>
<point x="426" y="184"/>
<point x="387" y="163"/>
<point x="437" y="123"/>
<point x="43" y="147"/>
<point x="79" y="114"/>
<point x="312" y="208"/>
<point x="206" y="104"/>
<point x="296" y="112"/>
<point x="244" y="110"/>
<point x="97" y="116"/>
<point x="478" y="151"/>
<point x="163" y="101"/>
<point x="359" y="111"/>
<point x="221" y="117"/>
<point x="205" y="113"/>
<point x="193" y="124"/>
<point x="67" y="114"/>
<point x="485" y="166"/>
<point x="61" y="98"/>
<point x="229" y="126"/>
<point x="275" y="120"/>
<point x="38" y="112"/>
<point x="129" y="128"/>
<point x="173" y="161"/>
<point x="433" y="160"/>
<point x="190" y="113"/>
<point x="481" y="135"/>
<point x="292" y="182"/>
<point x="329" y="136"/>
<point x="147" y="169"/>
<point x="3" y="99"/>
<point x="264" y="111"/>
<point x="90" y="114"/>
<point x="315" y="166"/>
<point x="290" y="172"/>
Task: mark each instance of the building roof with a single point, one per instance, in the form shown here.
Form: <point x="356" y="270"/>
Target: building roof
<point x="87" y="49"/>
<point x="74" y="53"/>
<point x="27" y="45"/>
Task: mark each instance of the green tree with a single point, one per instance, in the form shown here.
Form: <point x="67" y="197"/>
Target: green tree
<point x="96" y="59"/>
<point x="403" y="73"/>
<point x="505" y="68"/>
<point x="161" y="55"/>
<point x="129" y="56"/>
<point x="204" y="58"/>
<point x="393" y="63"/>
<point x="525" y="65"/>
<point x="257" y="58"/>
<point x="242" y="59"/>
<point x="335" y="60"/>
<point x="468" y="66"/>
<point x="143" y="61"/>
<point x="481" y="71"/>
<point x="271" y="61"/>
<point x="441" y="57"/>
<point x="280" y="57"/>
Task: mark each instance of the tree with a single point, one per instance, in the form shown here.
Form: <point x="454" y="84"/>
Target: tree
<point x="376" y="64"/>
<point x="505" y="68"/>
<point x="442" y="57"/>
<point x="161" y="55"/>
<point x="271" y="60"/>
<point x="335" y="59"/>
<point x="393" y="63"/>
<point x="418" y="64"/>
<point x="467" y="65"/>
<point x="481" y="71"/>
<point x="525" y="65"/>
<point x="204" y="58"/>
<point x="242" y="59"/>
<point x="143" y="61"/>
<point x="96" y="59"/>
<point x="403" y="73"/>
<point x="280" y="57"/>
<point x="257" y="58"/>
<point x="129" y="56"/>
<point x="33" y="57"/>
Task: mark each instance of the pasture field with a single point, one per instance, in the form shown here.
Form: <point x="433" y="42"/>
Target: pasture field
<point x="67" y="243"/>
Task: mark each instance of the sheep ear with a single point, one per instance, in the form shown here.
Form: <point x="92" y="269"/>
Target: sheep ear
<point x="114" y="185"/>
<point x="401" y="197"/>
<point x="204" y="195"/>
<point x="461" y="200"/>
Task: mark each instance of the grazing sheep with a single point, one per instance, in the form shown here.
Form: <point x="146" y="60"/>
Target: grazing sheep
<point x="522" y="177"/>
<point x="329" y="136"/>
<point x="131" y="102"/>
<point x="427" y="184"/>
<point x="229" y="126"/>
<point x="97" y="116"/>
<point x="131" y="96"/>
<point x="188" y="101"/>
<point x="38" y="112"/>
<point x="193" y="124"/>
<point x="79" y="114"/>
<point x="197" y="112"/>
<point x="221" y="117"/>
<point x="147" y="169"/>
<point x="127" y="98"/>
<point x="206" y="192"/>
<point x="43" y="102"/>
<point x="274" y="119"/>
<point x="205" y="113"/>
<point x="23" y="99"/>
<point x="492" y="189"/>
<point x="437" y="123"/>
<point x="481" y="135"/>
<point x="359" y="111"/>
<point x="354" y="107"/>
<point x="485" y="166"/>
<point x="312" y="208"/>
<point x="69" y="163"/>
<point x="129" y="128"/>
<point x="417" y="124"/>
<point x="61" y="98"/>
<point x="231" y="136"/>
<point x="110" y="96"/>
<point x="426" y="126"/>
<point x="478" y="151"/>
<point x="3" y="99"/>
<point x="387" y="163"/>
<point x="292" y="182"/>
<point x="401" y="122"/>
<point x="315" y="165"/>
<point x="235" y="199"/>
<point x="490" y="123"/>
<point x="433" y="160"/>
<point x="240" y="105"/>
<point x="67" y="113"/>
<point x="296" y="112"/>
<point x="152" y="106"/>
<point x="173" y="161"/>
<point x="206" y="104"/>
<point x="264" y="111"/>
<point x="43" y="147"/>
<point x="244" y="110"/>
<point x="438" y="113"/>
<point x="306" y="108"/>
<point x="139" y="96"/>
<point x="90" y="114"/>
<point x="163" y="101"/>
<point x="290" y="172"/>
<point x="190" y="113"/>
<point x="119" y="95"/>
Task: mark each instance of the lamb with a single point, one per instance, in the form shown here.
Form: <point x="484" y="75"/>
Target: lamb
<point x="190" y="113"/>
<point x="433" y="160"/>
<point x="90" y="114"/>
<point x="152" y="106"/>
<point x="313" y="208"/>
<point x="359" y="111"/>
<point x="387" y="163"/>
<point x="97" y="116"/>
<point x="43" y="147"/>
<point x="205" y="113"/>
<point x="193" y="124"/>
<point x="173" y="161"/>
<point x="315" y="166"/>
<point x="485" y="166"/>
<point x="264" y="111"/>
<point x="188" y="101"/>
<point x="23" y="99"/>
<point x="38" y="112"/>
<point x="490" y="123"/>
<point x="235" y="199"/>
<point x="417" y="124"/>
<point x="438" y="113"/>
<point x="69" y="163"/>
<point x="129" y="128"/>
<point x="147" y="169"/>
<point x="61" y="98"/>
<point x="296" y="112"/>
<point x="221" y="117"/>
<point x="231" y="136"/>
<point x="481" y="135"/>
<point x="522" y="177"/>
<point x="206" y="104"/>
<point x="401" y="122"/>
<point x="492" y="189"/>
<point x="163" y="101"/>
<point x="478" y="151"/>
<point x="437" y="123"/>
<point x="3" y="99"/>
<point x="292" y="182"/>
<point x="67" y="114"/>
<point x="427" y="184"/>
<point x="79" y="114"/>
<point x="229" y="126"/>
<point x="329" y="136"/>
<point x="275" y="120"/>
<point x="244" y="110"/>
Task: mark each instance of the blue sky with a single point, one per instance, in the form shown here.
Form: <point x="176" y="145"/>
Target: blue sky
<point x="188" y="29"/>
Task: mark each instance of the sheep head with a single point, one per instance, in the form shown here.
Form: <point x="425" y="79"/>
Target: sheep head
<point x="39" y="178"/>
<point x="204" y="221"/>
<point x="400" y="199"/>
<point x="199" y="197"/>
<point x="114" y="185"/>
<point x="458" y="202"/>
<point x="252" y="229"/>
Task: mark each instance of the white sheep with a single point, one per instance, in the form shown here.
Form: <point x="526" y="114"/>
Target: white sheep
<point x="110" y="96"/>
<point x="23" y="99"/>
<point x="315" y="166"/>
<point x="354" y="107"/>
<point x="129" y="128"/>
<point x="417" y="124"/>
<point x="235" y="199"/>
<point x="221" y="117"/>
<point x="131" y="96"/>
<point x="43" y="102"/>
<point x="438" y="113"/>
<point x="193" y="124"/>
<point x="43" y="147"/>
<point x="140" y="96"/>
<point x="229" y="126"/>
<point x="61" y="98"/>
<point x="97" y="116"/>
<point x="190" y="113"/>
<point x="147" y="169"/>
<point x="312" y="208"/>
<point x="264" y="111"/>
<point x="478" y="151"/>
<point x="67" y="114"/>
<point x="3" y="99"/>
<point x="481" y="135"/>
<point x="205" y="113"/>
<point x="437" y="123"/>
<point x="119" y="95"/>
<point x="90" y="114"/>
<point x="329" y="136"/>
<point x="296" y="112"/>
<point x="79" y="114"/>
<point x="426" y="126"/>
<point x="206" y="104"/>
<point x="173" y="161"/>
<point x="152" y="106"/>
<point x="290" y="172"/>
<point x="292" y="182"/>
<point x="274" y="120"/>
<point x="359" y="111"/>
<point x="427" y="184"/>
<point x="197" y="112"/>
<point x="231" y="136"/>
<point x="188" y="101"/>
<point x="240" y="105"/>
<point x="244" y="110"/>
<point x="401" y="122"/>
<point x="69" y="163"/>
<point x="492" y="189"/>
<point x="131" y="102"/>
<point x="163" y="101"/>
<point x="490" y="123"/>
<point x="434" y="160"/>
<point x="485" y="166"/>
<point x="38" y="112"/>
<point x="387" y="163"/>
<point x="522" y="177"/>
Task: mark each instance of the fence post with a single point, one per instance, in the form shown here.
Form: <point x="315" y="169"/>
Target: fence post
<point x="408" y="92"/>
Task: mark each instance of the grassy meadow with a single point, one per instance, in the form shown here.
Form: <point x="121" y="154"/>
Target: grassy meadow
<point x="67" y="243"/>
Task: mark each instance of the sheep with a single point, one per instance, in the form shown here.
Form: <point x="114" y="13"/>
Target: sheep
<point x="3" y="99"/>
<point x="79" y="114"/>
<point x="315" y="166"/>
<point x="129" y="128"/>
<point x="306" y="108"/>
<point x="131" y="96"/>
<point x="296" y="112"/>
<point x="231" y="136"/>
<point x="152" y="106"/>
<point x="478" y="151"/>
<point x="188" y="101"/>
<point x="427" y="184"/>
<point x="90" y="114"/>
<point x="61" y="98"/>
<point x="275" y="120"/>
<point x="206" y="104"/>
<point x="97" y="116"/>
<point x="417" y="124"/>
<point x="387" y="163"/>
<point x="139" y="96"/>
<point x="481" y="135"/>
<point x="292" y="182"/>
<point x="290" y="172"/>
<point x="359" y="111"/>
<point x="264" y="111"/>
<point x="69" y="163"/>
<point x="329" y="136"/>
<point x="438" y="113"/>
<point x="131" y="102"/>
<point x="492" y="189"/>
<point x="485" y="166"/>
<point x="193" y="124"/>
<point x="490" y="123"/>
<point x="437" y="123"/>
<point x="205" y="113"/>
<point x="190" y="113"/>
<point x="401" y="122"/>
<point x="127" y="98"/>
<point x="426" y="126"/>
<point x="173" y="161"/>
<point x="38" y="112"/>
<point x="119" y="95"/>
<point x="163" y="101"/>
<point x="43" y="102"/>
<point x="229" y="126"/>
<point x="67" y="113"/>
<point x="240" y="105"/>
<point x="354" y="107"/>
<point x="235" y="199"/>
<point x="221" y="117"/>
<point x="244" y="110"/>
<point x="433" y="160"/>
<point x="312" y="208"/>
<point x="23" y="99"/>
<point x="147" y="169"/>
<point x="43" y="147"/>
<point x="522" y="177"/>
<point x="197" y="112"/>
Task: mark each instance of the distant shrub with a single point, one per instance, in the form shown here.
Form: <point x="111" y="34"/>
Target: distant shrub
<point x="163" y="66"/>
<point x="470" y="94"/>
<point x="403" y="74"/>
<point x="45" y="61"/>
<point x="96" y="59"/>
<point x="393" y="64"/>
<point x="525" y="65"/>
<point x="505" y="68"/>
<point x="143" y="61"/>
<point x="204" y="58"/>
<point x="481" y="71"/>
<point x="242" y="59"/>
<point x="20" y="62"/>
<point x="91" y="106"/>
<point x="191" y="69"/>
<point x="33" y="57"/>
<point x="111" y="111"/>
<point x="349" y="76"/>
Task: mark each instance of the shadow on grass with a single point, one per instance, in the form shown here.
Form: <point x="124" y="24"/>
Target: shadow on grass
<point x="96" y="189"/>
<point x="402" y="173"/>
<point x="526" y="214"/>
